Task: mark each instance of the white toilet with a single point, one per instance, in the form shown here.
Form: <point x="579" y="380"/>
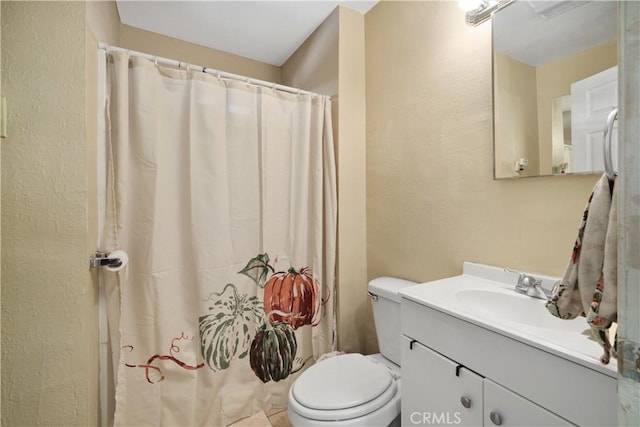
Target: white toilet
<point x="352" y="389"/>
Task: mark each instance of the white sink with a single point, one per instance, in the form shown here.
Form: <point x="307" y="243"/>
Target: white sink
<point x="485" y="296"/>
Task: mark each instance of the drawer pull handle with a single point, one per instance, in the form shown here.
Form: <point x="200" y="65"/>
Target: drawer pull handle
<point x="495" y="418"/>
<point x="466" y="402"/>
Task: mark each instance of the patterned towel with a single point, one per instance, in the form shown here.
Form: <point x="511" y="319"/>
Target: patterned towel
<point x="588" y="287"/>
<point x="603" y="310"/>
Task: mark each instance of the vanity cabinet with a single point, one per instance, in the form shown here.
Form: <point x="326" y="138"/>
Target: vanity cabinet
<point x="531" y="377"/>
<point x="439" y="391"/>
<point x="530" y="367"/>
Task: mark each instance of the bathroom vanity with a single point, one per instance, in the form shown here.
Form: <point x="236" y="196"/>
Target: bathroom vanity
<point x="475" y="352"/>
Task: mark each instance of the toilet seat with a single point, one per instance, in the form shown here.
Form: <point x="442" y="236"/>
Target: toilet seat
<point x="342" y="388"/>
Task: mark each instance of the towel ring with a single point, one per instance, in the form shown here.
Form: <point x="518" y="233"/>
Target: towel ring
<point x="608" y="130"/>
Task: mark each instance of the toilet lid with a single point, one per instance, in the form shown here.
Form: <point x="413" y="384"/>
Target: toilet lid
<point x="342" y="382"/>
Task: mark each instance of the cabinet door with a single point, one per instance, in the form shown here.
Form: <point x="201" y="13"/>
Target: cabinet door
<point x="436" y="390"/>
<point x="504" y="408"/>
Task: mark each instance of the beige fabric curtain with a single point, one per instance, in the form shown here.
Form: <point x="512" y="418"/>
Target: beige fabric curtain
<point x="223" y="195"/>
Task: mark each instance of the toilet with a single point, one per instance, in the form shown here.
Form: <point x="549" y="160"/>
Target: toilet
<point x="352" y="389"/>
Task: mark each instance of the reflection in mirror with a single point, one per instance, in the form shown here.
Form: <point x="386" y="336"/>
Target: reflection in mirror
<point x="554" y="83"/>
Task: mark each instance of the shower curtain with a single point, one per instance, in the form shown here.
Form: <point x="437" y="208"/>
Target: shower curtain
<point x="223" y="195"/>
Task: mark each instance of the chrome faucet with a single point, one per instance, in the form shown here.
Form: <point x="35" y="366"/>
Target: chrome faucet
<point x="532" y="287"/>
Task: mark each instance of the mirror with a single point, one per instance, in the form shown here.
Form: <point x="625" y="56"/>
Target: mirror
<point x="554" y="83"/>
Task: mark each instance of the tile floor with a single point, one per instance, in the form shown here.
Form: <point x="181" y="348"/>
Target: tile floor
<point x="274" y="418"/>
<point x="279" y="418"/>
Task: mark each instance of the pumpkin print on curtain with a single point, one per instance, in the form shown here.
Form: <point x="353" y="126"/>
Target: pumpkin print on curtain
<point x="225" y="332"/>
<point x="290" y="300"/>
<point x="209" y="180"/>
<point x="292" y="297"/>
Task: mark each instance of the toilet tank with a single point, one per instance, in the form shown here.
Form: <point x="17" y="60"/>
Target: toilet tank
<point x="386" y="314"/>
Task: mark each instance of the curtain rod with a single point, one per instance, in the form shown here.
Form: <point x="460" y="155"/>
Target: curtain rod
<point x="217" y="73"/>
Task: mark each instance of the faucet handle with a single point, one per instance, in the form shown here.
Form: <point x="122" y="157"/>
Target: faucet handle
<point x="524" y="281"/>
<point x="528" y="281"/>
<point x="531" y="286"/>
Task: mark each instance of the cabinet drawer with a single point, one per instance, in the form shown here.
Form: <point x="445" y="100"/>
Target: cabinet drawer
<point x="505" y="408"/>
<point x="436" y="390"/>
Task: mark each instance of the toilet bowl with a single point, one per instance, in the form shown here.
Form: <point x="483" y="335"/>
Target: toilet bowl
<point x="347" y="390"/>
<point x="353" y="389"/>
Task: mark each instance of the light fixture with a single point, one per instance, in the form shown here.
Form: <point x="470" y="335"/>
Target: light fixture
<point x="478" y="11"/>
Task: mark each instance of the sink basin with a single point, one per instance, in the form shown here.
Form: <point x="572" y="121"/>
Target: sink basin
<point x="513" y="307"/>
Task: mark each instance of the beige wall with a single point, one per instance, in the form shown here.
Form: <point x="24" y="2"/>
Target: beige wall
<point x="516" y="117"/>
<point x="353" y="304"/>
<point x="331" y="61"/>
<point x="104" y="21"/>
<point x="314" y="66"/>
<point x="49" y="337"/>
<point x="431" y="199"/>
<point x="157" y="44"/>
<point x="554" y="80"/>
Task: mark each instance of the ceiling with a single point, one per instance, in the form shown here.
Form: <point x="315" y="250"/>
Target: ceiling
<point x="266" y="31"/>
<point x="538" y="32"/>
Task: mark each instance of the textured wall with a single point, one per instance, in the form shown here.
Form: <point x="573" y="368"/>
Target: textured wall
<point x="431" y="199"/>
<point x="157" y="44"/>
<point x="49" y="344"/>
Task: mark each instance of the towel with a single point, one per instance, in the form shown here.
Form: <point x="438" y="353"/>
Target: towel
<point x="603" y="310"/>
<point x="588" y="287"/>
